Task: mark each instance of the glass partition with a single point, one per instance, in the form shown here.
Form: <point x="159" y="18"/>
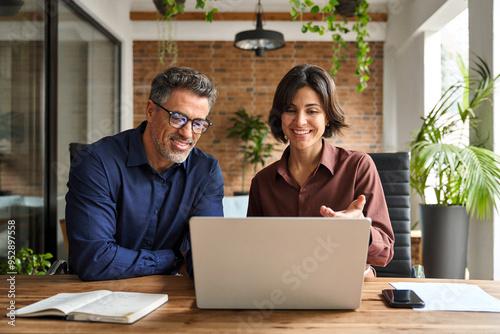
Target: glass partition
<point x="22" y="117"/>
<point x="88" y="97"/>
<point x="34" y="158"/>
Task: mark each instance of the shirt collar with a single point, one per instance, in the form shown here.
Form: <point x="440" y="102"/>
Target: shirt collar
<point x="136" y="154"/>
<point x="327" y="159"/>
<point x="283" y="163"/>
<point x="329" y="156"/>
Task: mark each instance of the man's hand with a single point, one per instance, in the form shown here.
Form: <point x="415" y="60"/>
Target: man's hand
<point x="355" y="209"/>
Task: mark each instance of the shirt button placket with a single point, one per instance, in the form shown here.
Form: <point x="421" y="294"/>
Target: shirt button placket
<point x="162" y="182"/>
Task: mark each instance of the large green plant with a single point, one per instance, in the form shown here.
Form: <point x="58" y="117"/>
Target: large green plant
<point x="339" y="28"/>
<point x="252" y="131"/>
<point x="459" y="174"/>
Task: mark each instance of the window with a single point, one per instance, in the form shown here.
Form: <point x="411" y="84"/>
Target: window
<point x="88" y="94"/>
<point x="83" y="99"/>
<point x="454" y="45"/>
<point x="455" y="59"/>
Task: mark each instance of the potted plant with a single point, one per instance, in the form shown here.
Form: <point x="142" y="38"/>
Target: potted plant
<point x="168" y="10"/>
<point x="464" y="178"/>
<point x="26" y="263"/>
<point x="252" y="131"/>
<point x="331" y="12"/>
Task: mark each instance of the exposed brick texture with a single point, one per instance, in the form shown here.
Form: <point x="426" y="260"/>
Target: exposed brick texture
<point x="244" y="80"/>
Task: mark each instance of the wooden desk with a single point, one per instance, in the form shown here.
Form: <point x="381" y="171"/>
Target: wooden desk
<point x="180" y="314"/>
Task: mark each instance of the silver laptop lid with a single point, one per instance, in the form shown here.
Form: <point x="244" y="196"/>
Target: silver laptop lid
<point x="279" y="262"/>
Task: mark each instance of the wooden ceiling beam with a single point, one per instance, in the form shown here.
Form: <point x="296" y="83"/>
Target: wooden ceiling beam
<point x="243" y="16"/>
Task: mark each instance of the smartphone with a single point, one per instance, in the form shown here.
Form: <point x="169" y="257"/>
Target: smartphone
<point x="402" y="298"/>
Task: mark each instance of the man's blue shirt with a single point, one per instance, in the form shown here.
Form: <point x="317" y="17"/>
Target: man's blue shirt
<point x="123" y="218"/>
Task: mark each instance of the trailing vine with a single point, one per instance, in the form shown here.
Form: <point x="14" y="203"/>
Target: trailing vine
<point x="167" y="43"/>
<point x="168" y="10"/>
<point x="339" y="28"/>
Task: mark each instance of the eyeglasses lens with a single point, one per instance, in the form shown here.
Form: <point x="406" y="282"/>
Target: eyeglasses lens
<point x="200" y="126"/>
<point x="178" y="121"/>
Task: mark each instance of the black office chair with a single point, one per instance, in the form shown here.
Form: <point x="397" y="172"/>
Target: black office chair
<point x="62" y="266"/>
<point x="74" y="148"/>
<point x="394" y="171"/>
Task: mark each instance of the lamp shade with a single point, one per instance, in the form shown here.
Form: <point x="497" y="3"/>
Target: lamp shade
<point x="259" y="40"/>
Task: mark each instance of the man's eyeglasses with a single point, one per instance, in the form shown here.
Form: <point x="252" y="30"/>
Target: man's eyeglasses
<point x="178" y="120"/>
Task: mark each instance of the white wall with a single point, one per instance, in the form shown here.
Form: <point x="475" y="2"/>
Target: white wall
<point x="408" y="85"/>
<point x="484" y="238"/>
<point x="114" y="15"/>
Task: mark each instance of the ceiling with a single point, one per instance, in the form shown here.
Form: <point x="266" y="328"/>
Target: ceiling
<point x="246" y="5"/>
<point x="146" y="28"/>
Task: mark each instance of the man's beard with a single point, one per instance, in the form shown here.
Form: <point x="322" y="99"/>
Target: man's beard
<point x="167" y="150"/>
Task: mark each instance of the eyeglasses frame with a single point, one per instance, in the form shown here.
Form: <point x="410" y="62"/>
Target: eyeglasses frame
<point x="184" y="115"/>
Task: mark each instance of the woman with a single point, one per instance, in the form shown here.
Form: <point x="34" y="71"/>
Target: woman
<point x="314" y="178"/>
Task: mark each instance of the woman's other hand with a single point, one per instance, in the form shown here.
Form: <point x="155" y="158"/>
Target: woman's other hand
<point x="355" y="209"/>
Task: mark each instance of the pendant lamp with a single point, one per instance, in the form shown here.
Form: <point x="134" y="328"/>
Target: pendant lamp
<point x="259" y="40"/>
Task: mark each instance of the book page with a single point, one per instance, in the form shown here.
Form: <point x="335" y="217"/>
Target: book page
<point x="122" y="304"/>
<point x="62" y="302"/>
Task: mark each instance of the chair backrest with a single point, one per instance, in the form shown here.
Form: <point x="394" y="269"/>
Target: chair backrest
<point x="62" y="266"/>
<point x="394" y="171"/>
<point x="74" y="148"/>
<point x="62" y="224"/>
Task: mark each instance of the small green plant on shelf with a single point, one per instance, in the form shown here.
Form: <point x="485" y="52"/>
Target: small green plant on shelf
<point x="331" y="12"/>
<point x="26" y="263"/>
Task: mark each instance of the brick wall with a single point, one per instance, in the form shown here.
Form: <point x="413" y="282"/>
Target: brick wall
<point x="244" y="80"/>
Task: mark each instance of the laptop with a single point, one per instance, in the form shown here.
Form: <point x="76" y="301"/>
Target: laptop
<point x="269" y="263"/>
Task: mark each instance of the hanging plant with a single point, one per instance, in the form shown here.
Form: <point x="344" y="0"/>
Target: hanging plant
<point x="338" y="28"/>
<point x="330" y="12"/>
<point x="167" y="43"/>
<point x="168" y="10"/>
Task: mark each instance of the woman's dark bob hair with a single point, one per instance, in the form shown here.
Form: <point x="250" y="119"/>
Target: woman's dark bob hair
<point x="322" y="83"/>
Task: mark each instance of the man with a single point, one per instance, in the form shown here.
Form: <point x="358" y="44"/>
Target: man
<point x="131" y="195"/>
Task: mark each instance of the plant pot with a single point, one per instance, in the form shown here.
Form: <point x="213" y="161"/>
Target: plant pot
<point x="346" y="8"/>
<point x="445" y="232"/>
<point x="162" y="8"/>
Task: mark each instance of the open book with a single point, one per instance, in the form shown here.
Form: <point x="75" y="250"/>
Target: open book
<point x="99" y="306"/>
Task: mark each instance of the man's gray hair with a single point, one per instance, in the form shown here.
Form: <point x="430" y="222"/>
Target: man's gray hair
<point x="182" y="78"/>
